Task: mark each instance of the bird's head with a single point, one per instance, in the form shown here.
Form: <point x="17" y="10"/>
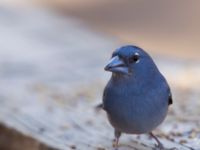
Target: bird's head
<point x="129" y="60"/>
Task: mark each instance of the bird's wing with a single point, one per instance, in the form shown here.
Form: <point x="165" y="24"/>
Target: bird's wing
<point x="170" y="100"/>
<point x="99" y="106"/>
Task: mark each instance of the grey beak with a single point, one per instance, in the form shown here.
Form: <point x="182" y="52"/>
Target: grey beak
<point x="117" y="65"/>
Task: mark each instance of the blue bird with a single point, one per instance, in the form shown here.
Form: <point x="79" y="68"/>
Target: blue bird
<point x="137" y="96"/>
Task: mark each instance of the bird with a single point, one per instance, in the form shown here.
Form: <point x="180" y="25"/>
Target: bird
<point x="137" y="96"/>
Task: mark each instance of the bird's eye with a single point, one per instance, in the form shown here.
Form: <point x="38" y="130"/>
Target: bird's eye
<point x="135" y="58"/>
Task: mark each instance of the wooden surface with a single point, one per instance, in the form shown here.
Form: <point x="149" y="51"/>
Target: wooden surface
<point x="51" y="77"/>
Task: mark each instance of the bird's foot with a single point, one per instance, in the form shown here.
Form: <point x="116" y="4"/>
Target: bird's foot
<point x="115" y="144"/>
<point x="159" y="147"/>
<point x="116" y="140"/>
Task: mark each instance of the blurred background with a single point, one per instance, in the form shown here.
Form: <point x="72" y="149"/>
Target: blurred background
<point x="170" y="27"/>
<point x="52" y="55"/>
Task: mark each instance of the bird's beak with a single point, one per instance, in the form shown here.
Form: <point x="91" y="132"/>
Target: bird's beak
<point x="117" y="65"/>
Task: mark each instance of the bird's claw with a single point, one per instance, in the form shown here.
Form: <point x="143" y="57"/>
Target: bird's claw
<point x="115" y="144"/>
<point x="160" y="147"/>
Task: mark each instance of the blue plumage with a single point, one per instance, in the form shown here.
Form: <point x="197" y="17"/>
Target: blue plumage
<point x="137" y="96"/>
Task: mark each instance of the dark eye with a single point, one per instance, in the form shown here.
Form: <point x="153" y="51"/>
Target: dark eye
<point x="135" y="58"/>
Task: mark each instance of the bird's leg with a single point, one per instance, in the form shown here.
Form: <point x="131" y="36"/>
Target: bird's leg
<point x="116" y="140"/>
<point x="160" y="146"/>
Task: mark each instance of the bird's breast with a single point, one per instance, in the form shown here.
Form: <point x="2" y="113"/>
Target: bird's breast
<point x="133" y="110"/>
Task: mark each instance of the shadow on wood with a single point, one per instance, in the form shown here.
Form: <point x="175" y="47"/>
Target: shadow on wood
<point x="10" y="139"/>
